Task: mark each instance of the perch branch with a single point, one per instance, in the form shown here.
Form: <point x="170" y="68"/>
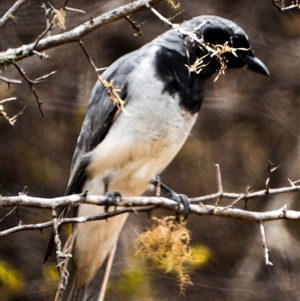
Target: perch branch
<point x="10" y="13"/>
<point x="264" y="240"/>
<point x="11" y="56"/>
<point x="138" y="204"/>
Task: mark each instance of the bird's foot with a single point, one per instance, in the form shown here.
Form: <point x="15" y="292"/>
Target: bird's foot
<point x="112" y="199"/>
<point x="180" y="199"/>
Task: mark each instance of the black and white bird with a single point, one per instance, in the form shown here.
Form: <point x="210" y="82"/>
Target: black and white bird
<point x="116" y="152"/>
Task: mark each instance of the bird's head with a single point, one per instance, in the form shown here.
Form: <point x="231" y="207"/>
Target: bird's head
<point x="227" y="39"/>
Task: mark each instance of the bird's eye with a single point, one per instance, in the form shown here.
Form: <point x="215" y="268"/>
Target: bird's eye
<point x="238" y="42"/>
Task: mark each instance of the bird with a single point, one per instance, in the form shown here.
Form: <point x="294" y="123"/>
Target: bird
<point x="124" y="150"/>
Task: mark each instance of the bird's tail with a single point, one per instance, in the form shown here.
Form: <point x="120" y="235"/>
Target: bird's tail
<point x="82" y="275"/>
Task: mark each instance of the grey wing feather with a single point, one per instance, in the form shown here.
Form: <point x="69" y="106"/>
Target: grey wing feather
<point x="99" y="118"/>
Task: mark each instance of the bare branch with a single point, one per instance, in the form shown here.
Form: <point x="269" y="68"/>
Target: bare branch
<point x="41" y="55"/>
<point x="10" y="120"/>
<point x="108" y="85"/>
<point x="293" y="182"/>
<point x="219" y="183"/>
<point x="30" y="83"/>
<point x="152" y="203"/>
<point x="251" y="195"/>
<point x="75" y="10"/>
<point x="241" y="197"/>
<point x="135" y="26"/>
<point x="109" y="263"/>
<point x="282" y="7"/>
<point x="73" y="200"/>
<point x="75" y="220"/>
<point x="10" y="13"/>
<point x="262" y="231"/>
<point x="41" y="78"/>
<point x="13" y="55"/>
<point x="10" y="81"/>
<point x="145" y="204"/>
<point x="270" y="171"/>
<point x="7" y="214"/>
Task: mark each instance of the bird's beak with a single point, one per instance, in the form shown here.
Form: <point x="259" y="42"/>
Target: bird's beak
<point x="255" y="64"/>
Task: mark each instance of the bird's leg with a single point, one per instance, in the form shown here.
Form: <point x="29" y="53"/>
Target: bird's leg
<point x="178" y="198"/>
<point x="112" y="197"/>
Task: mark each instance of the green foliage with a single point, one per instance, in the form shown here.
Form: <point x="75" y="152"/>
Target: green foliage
<point x="51" y="279"/>
<point x="11" y="281"/>
<point x="132" y="283"/>
<point x="200" y="256"/>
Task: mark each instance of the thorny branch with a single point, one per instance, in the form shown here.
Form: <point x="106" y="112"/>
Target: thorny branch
<point x="219" y="183"/>
<point x="146" y="204"/>
<point x="135" y="26"/>
<point x="11" y="56"/>
<point x="282" y="6"/>
<point x="270" y="171"/>
<point x="31" y="85"/>
<point x="10" y="81"/>
<point x="9" y="15"/>
<point x="10" y="120"/>
<point x="264" y="240"/>
<point x="108" y="85"/>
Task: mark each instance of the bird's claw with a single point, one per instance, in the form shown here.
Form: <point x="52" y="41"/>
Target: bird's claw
<point x="181" y="199"/>
<point x="178" y="198"/>
<point x="112" y="199"/>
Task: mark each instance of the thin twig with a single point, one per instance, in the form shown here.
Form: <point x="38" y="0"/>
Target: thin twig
<point x="7" y="214"/>
<point x="41" y="78"/>
<point x="264" y="240"/>
<point x="241" y="197"/>
<point x="177" y="14"/>
<point x="47" y="16"/>
<point x="75" y="199"/>
<point x="292" y="183"/>
<point x="75" y="10"/>
<point x="135" y="26"/>
<point x="108" y="85"/>
<point x="11" y="56"/>
<point x="281" y="7"/>
<point x="43" y="34"/>
<point x="216" y="51"/>
<point x="7" y="100"/>
<point x="57" y="241"/>
<point x="270" y="171"/>
<point x="9" y="15"/>
<point x="10" y="120"/>
<point x="10" y="81"/>
<point x="219" y="183"/>
<point x="110" y="260"/>
<point x="138" y="204"/>
<point x="31" y="86"/>
<point x="74" y="220"/>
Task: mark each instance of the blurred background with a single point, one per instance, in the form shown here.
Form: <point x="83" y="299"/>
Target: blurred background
<point x="246" y="120"/>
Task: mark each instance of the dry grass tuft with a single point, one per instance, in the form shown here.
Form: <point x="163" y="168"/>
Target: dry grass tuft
<point x="166" y="243"/>
<point x="59" y="18"/>
<point x="173" y="4"/>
